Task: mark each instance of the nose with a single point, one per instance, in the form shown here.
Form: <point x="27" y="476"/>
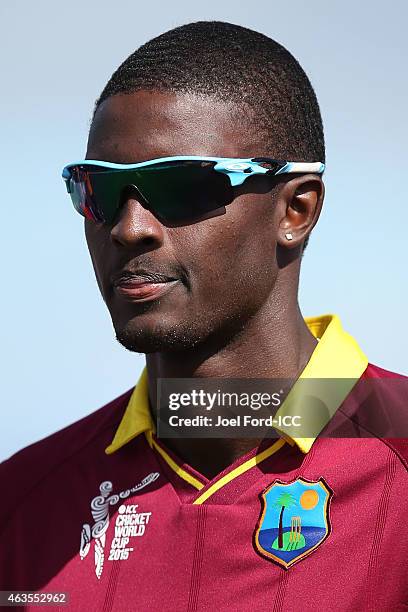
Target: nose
<point x="136" y="226"/>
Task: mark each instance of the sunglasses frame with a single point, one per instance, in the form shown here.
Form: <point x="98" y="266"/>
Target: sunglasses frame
<point x="236" y="169"/>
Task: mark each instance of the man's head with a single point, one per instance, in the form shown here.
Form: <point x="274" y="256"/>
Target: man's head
<point x="217" y="90"/>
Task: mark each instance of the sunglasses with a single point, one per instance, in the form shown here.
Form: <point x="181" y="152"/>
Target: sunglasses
<point x="175" y="189"/>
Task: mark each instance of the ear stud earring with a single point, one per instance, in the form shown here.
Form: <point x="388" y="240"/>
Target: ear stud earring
<point x="289" y="236"/>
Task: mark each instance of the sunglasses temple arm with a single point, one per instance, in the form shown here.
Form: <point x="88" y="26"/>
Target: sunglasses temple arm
<point x="237" y="178"/>
<point x="303" y="167"/>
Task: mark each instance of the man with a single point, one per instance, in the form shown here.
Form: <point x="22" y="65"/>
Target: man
<point x="197" y="256"/>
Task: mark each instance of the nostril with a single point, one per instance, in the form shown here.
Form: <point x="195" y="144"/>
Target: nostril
<point x="149" y="241"/>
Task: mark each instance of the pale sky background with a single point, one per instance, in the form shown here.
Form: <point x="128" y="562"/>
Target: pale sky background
<point x="60" y="359"/>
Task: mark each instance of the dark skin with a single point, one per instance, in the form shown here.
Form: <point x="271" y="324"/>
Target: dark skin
<point x="234" y="311"/>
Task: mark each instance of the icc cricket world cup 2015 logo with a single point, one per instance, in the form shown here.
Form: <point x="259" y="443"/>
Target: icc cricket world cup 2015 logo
<point x="100" y="514"/>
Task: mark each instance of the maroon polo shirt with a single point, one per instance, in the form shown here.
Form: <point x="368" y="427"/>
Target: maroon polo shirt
<point x="282" y="528"/>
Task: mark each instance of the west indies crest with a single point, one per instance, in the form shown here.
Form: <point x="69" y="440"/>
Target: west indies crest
<point x="294" y="521"/>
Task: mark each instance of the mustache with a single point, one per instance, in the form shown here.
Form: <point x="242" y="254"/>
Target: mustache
<point x="148" y="270"/>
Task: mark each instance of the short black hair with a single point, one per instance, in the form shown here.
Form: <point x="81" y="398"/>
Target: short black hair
<point x="234" y="64"/>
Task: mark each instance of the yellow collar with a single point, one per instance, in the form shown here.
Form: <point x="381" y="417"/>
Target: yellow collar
<point x="337" y="355"/>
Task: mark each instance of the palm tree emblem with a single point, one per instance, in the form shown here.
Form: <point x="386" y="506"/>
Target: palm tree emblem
<point x="285" y="500"/>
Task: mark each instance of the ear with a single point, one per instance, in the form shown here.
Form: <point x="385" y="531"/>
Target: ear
<point x="301" y="200"/>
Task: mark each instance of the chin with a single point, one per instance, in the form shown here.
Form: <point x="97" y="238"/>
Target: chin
<point x="157" y="338"/>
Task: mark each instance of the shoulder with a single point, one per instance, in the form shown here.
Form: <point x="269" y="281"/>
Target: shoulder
<point x="23" y="471"/>
<point x="374" y="371"/>
<point x="388" y="392"/>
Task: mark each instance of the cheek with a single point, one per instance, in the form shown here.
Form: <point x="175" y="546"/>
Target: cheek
<point x="96" y="238"/>
<point x="234" y="256"/>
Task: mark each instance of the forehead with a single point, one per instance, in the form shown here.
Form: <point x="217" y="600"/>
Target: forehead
<point x="128" y="128"/>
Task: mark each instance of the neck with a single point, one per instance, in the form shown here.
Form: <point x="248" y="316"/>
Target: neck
<point x="275" y="343"/>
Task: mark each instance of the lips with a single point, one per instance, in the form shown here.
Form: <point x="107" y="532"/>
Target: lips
<point x="142" y="285"/>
